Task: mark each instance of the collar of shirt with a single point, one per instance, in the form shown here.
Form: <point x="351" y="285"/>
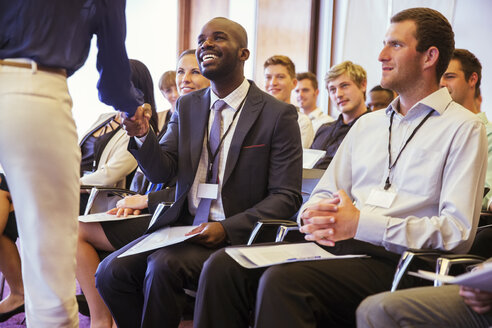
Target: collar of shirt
<point x="233" y="99"/>
<point x="315" y="113"/>
<point x="340" y="121"/>
<point x="437" y="101"/>
<point x="483" y="118"/>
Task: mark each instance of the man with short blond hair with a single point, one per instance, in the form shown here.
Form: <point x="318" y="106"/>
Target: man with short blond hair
<point x="346" y="85"/>
<point x="280" y="80"/>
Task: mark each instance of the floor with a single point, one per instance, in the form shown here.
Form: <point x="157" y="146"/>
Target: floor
<point x="18" y="321"/>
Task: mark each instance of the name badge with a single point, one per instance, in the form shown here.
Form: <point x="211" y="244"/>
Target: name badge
<point x="381" y="198"/>
<point x="208" y="190"/>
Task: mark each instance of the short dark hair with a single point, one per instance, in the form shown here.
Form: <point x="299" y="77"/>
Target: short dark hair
<point x="433" y="29"/>
<point x="390" y="93"/>
<point x="308" y="76"/>
<point x="469" y="65"/>
<point x="284" y="61"/>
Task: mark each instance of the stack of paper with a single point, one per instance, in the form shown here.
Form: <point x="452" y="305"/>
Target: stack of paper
<point x="480" y="278"/>
<point x="160" y="238"/>
<point x="310" y="157"/>
<point x="261" y="256"/>
<point x="101" y="217"/>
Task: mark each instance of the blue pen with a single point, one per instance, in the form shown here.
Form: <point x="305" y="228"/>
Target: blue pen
<point x="304" y="258"/>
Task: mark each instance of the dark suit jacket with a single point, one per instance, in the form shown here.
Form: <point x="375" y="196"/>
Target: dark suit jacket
<point x="263" y="173"/>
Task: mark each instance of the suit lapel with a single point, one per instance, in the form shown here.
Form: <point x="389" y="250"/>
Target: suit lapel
<point x="251" y="109"/>
<point x="198" y="122"/>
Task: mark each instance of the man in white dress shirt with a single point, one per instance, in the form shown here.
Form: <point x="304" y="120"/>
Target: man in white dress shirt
<point x="307" y="94"/>
<point x="280" y="80"/>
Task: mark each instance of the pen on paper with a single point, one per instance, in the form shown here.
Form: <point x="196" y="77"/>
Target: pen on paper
<point x="304" y="258"/>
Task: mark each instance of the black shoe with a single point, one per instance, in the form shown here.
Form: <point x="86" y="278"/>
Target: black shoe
<point x="7" y="315"/>
<point x="83" y="305"/>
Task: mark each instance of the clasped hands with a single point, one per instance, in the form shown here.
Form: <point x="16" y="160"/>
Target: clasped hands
<point x="138" y="124"/>
<point x="330" y="220"/>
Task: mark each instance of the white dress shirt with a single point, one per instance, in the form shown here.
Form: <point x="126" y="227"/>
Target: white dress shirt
<point x="233" y="101"/>
<point x="318" y="118"/>
<point x="307" y="132"/>
<point x="488" y="179"/>
<point x="438" y="179"/>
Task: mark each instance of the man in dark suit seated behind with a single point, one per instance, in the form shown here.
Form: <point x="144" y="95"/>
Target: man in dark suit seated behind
<point x="346" y="83"/>
<point x="259" y="168"/>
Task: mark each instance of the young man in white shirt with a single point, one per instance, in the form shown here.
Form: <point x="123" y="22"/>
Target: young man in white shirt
<point x="307" y="94"/>
<point x="280" y="80"/>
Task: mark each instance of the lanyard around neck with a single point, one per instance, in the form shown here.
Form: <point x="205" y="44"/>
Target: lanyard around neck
<point x="387" y="184"/>
<point x="211" y="157"/>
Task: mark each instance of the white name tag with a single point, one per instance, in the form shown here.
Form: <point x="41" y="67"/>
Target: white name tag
<point x="208" y="190"/>
<point x="381" y="198"/>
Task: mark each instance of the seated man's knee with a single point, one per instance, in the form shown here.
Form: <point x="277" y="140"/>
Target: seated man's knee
<point x="373" y="307"/>
<point x="273" y="278"/>
<point x="107" y="271"/>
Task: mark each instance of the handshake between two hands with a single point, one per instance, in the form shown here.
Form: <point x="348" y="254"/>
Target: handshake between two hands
<point x="330" y="220"/>
<point x="138" y="125"/>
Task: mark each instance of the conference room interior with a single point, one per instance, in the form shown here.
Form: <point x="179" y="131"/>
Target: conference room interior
<point x="315" y="34"/>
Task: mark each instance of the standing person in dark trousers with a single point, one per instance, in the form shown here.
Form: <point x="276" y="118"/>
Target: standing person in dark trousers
<point x="384" y="192"/>
<point x="41" y="43"/>
<point x="236" y="152"/>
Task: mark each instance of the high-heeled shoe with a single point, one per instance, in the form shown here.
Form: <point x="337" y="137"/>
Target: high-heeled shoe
<point x="7" y="315"/>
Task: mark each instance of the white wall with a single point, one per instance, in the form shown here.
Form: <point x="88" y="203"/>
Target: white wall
<point x="360" y="27"/>
<point x="151" y="38"/>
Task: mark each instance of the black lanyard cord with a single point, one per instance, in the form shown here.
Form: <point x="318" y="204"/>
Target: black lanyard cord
<point x="387" y="184"/>
<point x="211" y="157"/>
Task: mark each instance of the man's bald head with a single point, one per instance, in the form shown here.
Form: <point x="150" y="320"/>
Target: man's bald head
<point x="234" y="29"/>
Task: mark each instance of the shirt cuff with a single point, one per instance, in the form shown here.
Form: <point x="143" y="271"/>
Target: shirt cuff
<point x="371" y="228"/>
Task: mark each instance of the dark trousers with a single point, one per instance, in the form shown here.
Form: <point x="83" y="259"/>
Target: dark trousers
<point x="303" y="294"/>
<point x="146" y="290"/>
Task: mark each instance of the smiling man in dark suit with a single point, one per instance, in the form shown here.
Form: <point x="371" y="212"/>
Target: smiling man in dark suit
<point x="255" y="172"/>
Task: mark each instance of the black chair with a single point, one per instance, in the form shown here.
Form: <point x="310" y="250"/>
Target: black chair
<point x="95" y="191"/>
<point x="443" y="262"/>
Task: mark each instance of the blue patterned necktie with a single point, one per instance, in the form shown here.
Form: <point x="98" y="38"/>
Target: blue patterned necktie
<point x="203" y="210"/>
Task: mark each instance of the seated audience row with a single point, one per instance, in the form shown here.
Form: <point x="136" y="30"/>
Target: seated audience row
<point x="234" y="154"/>
<point x="364" y="204"/>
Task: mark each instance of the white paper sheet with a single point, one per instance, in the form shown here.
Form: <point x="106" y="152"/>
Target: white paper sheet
<point x="101" y="217"/>
<point x="480" y="278"/>
<point x="160" y="238"/>
<point x="262" y="256"/>
<point x="310" y="157"/>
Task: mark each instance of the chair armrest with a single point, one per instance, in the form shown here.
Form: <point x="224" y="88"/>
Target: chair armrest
<point x="428" y="255"/>
<point x="266" y="230"/>
<point x="485" y="218"/>
<point x="446" y="261"/>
